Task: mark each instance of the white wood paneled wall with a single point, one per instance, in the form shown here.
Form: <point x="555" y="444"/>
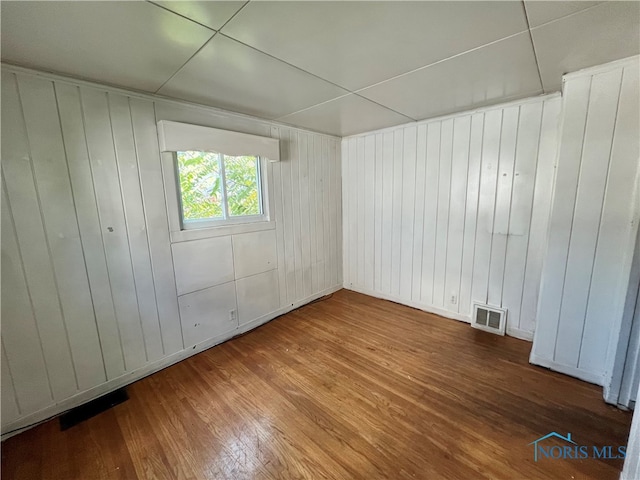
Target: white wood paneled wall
<point x="89" y="297"/>
<point x="448" y="212"/>
<point x="593" y="223"/>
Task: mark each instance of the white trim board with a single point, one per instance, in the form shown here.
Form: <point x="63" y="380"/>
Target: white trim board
<point x="49" y="412"/>
<point x="564" y="369"/>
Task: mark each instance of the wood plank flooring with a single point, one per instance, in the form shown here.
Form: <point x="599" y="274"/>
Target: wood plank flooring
<point x="349" y="387"/>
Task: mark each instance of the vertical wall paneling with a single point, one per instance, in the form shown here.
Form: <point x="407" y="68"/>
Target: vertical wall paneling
<point x="453" y="205"/>
<point x="335" y="160"/>
<point x="409" y="152"/>
<point x="318" y="161"/>
<point x="429" y="228"/>
<point x="544" y="179"/>
<point x="127" y="166"/>
<point x="592" y="225"/>
<point x="324" y="215"/>
<point x="73" y="133"/>
<point x="111" y="211"/>
<point x="95" y="294"/>
<point x="377" y="199"/>
<point x="442" y="214"/>
<point x="486" y="205"/>
<point x="150" y="170"/>
<point x="287" y="215"/>
<point x="421" y="153"/>
<point x="63" y="239"/>
<point x="30" y="263"/>
<point x="598" y="136"/>
<point x="305" y="233"/>
<point x="576" y="98"/>
<point x="10" y="407"/>
<point x="457" y="203"/>
<point x="396" y="212"/>
<point x="471" y="212"/>
<point x="500" y="230"/>
<point x="387" y="209"/>
<point x="369" y="173"/>
<point x="624" y="174"/>
<point x="360" y="210"/>
<point x="276" y="192"/>
<point x="312" y="201"/>
<point x="20" y="333"/>
<point x="295" y="148"/>
<point x="524" y="179"/>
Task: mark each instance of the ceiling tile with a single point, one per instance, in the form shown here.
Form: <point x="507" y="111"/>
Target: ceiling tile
<point x="540" y="11"/>
<point x="599" y="35"/>
<point x="503" y="70"/>
<point x="212" y="14"/>
<point x="344" y="116"/>
<point x="230" y="75"/>
<point x="357" y="44"/>
<point x="130" y="44"/>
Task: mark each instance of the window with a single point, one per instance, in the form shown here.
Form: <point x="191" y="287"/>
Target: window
<point x="217" y="189"/>
<point x="215" y="181"/>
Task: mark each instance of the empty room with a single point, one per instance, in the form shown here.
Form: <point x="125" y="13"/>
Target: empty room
<point x="320" y="240"/>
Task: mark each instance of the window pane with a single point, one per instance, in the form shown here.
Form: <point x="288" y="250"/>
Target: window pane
<point x="200" y="185"/>
<point x="243" y="191"/>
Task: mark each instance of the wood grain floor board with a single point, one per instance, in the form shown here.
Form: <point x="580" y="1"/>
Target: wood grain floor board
<point x="348" y="387"/>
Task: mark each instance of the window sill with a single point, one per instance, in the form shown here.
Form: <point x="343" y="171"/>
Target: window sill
<point x="221" y="231"/>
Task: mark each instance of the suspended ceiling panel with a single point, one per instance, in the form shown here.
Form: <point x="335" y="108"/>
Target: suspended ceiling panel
<point x="591" y="37"/>
<point x="539" y="12"/>
<point x="301" y="62"/>
<point x="231" y="75"/>
<point x="503" y="70"/>
<point x="132" y="44"/>
<point x="346" y="116"/>
<point x="356" y="44"/>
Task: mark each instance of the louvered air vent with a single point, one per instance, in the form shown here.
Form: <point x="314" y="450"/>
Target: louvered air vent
<point x="488" y="318"/>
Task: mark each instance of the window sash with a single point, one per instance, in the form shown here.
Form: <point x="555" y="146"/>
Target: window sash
<point x="227" y="218"/>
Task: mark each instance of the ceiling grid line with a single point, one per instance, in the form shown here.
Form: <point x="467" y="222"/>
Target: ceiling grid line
<point x="339" y="68"/>
<point x="180" y="15"/>
<point x="215" y="32"/>
<point x="187" y="61"/>
<point x="533" y="45"/>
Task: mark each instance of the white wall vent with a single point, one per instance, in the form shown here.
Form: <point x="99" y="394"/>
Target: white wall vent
<point x="490" y="319"/>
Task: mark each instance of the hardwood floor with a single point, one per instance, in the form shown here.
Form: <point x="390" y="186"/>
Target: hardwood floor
<point x="349" y="387"/>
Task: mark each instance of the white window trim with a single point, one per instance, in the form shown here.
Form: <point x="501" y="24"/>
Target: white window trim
<point x="227" y="219"/>
<point x="202" y="137"/>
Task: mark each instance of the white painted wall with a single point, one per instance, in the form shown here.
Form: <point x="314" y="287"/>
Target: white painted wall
<point x="444" y="213"/>
<point x="631" y="469"/>
<point x="593" y="223"/>
<point x="94" y="294"/>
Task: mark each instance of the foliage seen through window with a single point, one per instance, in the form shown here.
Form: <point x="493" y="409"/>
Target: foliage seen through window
<point x="218" y="187"/>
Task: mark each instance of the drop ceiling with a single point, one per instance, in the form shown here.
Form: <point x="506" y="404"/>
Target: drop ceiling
<point x="334" y="67"/>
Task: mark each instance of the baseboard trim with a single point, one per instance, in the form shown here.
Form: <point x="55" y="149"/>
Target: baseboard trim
<point x="410" y="303"/>
<point x="521" y="334"/>
<point x="571" y="371"/>
<point x="24" y="423"/>
<point x="512" y="332"/>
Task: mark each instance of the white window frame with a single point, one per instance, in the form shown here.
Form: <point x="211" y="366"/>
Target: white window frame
<point x="179" y="137"/>
<point x="227" y="218"/>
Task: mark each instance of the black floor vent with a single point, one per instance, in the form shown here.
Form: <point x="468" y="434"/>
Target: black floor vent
<point x="92" y="408"/>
